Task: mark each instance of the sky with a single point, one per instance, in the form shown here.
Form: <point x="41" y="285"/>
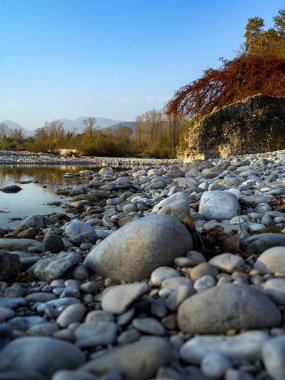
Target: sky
<point x="115" y="59"/>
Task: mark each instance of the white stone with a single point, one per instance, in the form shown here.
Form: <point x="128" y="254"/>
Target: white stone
<point x="228" y="262"/>
<point x="215" y="365"/>
<point x="219" y="205"/>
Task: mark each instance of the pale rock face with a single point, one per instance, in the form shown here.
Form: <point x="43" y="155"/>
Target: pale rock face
<point x="219" y="205"/>
<point x="135" y="250"/>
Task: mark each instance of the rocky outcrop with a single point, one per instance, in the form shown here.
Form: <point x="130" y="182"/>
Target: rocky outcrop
<point x="253" y="125"/>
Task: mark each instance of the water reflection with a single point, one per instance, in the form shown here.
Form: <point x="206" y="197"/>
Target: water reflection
<point x="39" y="185"/>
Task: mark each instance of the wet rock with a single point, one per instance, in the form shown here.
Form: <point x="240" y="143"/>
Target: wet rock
<point x="80" y="232"/>
<point x="54" y="267"/>
<point x="11" y="189"/>
<point x="10" y="265"/>
<point x="37" y="221"/>
<point x="275" y="289"/>
<point x="134" y="251"/>
<point x="229" y="306"/>
<point x="53" y="243"/>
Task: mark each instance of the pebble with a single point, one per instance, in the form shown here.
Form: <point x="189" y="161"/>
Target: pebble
<point x="72" y="313"/>
<point x="95" y="333"/>
<point x="118" y="298"/>
<point x="214" y="365"/>
<point x="227" y="262"/>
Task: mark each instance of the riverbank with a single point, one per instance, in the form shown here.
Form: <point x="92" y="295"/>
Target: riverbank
<point x="49" y="159"/>
<point x="166" y="271"/>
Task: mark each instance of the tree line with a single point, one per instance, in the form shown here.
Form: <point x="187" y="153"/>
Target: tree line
<point x="155" y="134"/>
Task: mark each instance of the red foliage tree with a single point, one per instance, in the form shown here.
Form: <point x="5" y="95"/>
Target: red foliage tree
<point x="245" y="75"/>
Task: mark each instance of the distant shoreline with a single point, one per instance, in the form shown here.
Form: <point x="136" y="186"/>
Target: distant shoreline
<point x="49" y="159"/>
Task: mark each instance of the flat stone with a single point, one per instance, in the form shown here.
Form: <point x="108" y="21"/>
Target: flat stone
<point x="162" y="273"/>
<point x="262" y="242"/>
<point x="19" y="244"/>
<point x="135" y="250"/>
<point x="148" y="326"/>
<point x="272" y="260"/>
<point x="95" y="333"/>
<point x="43" y="355"/>
<point x="273" y="356"/>
<point x="219" y="205"/>
<point x="72" y="313"/>
<point x="118" y="298"/>
<point x="228" y="262"/>
<point x="54" y="267"/>
<point x="244" y="346"/>
<point x="135" y="361"/>
<point x="37" y="221"/>
<point x="229" y="306"/>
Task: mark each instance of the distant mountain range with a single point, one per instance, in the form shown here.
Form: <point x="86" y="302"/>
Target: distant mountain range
<point x="77" y="125"/>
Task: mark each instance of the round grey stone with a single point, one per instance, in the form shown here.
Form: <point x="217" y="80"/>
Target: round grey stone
<point x="43" y="355"/>
<point x="272" y="260"/>
<point x="215" y="365"/>
<point x="228" y="262"/>
<point x="135" y="250"/>
<point x="162" y="273"/>
<point x="219" y="205"/>
<point x="71" y="314"/>
<point x="229" y="306"/>
<point x="95" y="333"/>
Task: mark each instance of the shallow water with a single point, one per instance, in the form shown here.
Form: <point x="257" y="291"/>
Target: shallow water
<point x="37" y="192"/>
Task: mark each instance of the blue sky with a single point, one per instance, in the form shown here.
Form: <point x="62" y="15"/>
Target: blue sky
<point x="112" y="58"/>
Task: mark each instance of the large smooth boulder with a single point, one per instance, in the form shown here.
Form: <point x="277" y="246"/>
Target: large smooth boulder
<point x="218" y="204"/>
<point x="42" y="355"/>
<point x="225" y="307"/>
<point x="135" y="250"/>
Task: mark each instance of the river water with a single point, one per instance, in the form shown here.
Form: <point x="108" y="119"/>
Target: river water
<point x="37" y="196"/>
